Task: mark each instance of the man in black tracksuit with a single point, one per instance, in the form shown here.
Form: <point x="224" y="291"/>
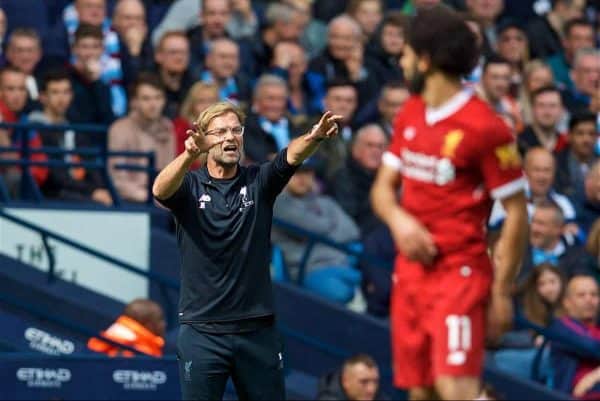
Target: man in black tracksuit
<point x="223" y="213"/>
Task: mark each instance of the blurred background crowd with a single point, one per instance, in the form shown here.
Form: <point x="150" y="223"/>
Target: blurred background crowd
<point x="144" y="69"/>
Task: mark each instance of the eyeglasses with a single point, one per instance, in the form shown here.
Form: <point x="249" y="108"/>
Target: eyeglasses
<point x="221" y="132"/>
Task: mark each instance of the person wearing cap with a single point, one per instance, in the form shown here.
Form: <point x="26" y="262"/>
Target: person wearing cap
<point x="328" y="271"/>
<point x="223" y="215"/>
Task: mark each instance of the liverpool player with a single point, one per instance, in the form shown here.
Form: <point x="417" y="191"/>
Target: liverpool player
<point x="452" y="156"/>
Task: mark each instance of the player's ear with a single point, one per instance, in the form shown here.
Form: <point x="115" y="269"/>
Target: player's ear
<point x="423" y="63"/>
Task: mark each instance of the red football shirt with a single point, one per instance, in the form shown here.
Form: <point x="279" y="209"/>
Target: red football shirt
<point x="454" y="160"/>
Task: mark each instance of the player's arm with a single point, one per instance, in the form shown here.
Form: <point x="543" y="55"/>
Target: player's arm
<point x="171" y="177"/>
<point x="511" y="244"/>
<point x="410" y="236"/>
<point x="304" y="146"/>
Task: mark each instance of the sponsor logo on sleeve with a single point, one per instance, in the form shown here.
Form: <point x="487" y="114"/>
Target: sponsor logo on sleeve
<point x="508" y="156"/>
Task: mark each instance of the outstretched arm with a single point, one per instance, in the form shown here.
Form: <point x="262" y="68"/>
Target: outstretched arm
<point x="304" y="146"/>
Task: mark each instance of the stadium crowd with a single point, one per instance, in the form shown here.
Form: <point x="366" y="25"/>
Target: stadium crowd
<point x="145" y="69"/>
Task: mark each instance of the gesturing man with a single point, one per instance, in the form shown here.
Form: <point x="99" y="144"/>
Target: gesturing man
<point x="452" y="155"/>
<point x="223" y="213"/>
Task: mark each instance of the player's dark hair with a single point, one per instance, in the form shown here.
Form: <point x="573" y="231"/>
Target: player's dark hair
<point x="339" y="82"/>
<point x="442" y="35"/>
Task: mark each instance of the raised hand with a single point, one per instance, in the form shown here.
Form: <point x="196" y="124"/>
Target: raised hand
<point x="327" y="127"/>
<point x="197" y="143"/>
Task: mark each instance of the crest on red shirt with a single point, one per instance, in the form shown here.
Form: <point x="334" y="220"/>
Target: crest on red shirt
<point x="451" y="142"/>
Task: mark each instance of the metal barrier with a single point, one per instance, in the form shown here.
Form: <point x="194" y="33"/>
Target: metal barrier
<point x="102" y="153"/>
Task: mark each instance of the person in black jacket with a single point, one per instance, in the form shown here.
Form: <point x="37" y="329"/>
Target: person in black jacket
<point x="91" y="97"/>
<point x="269" y="128"/>
<point x="358" y="379"/>
<point x="224" y="213"/>
<point x="351" y="185"/>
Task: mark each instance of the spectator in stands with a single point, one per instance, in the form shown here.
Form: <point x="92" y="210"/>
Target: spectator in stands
<point x="91" y="101"/>
<point x="548" y="245"/>
<point x="390" y="102"/>
<point x="494" y="89"/>
<point x="290" y="63"/>
<point x="3" y="25"/>
<point x="537" y="299"/>
<point x="91" y="12"/>
<point x="540" y="295"/>
<point x="223" y="68"/>
<point x="575" y="161"/>
<point x="282" y="24"/>
<point x="358" y="379"/>
<point x="586" y="81"/>
<point x="574" y="358"/>
<point x="183" y="16"/>
<point x="268" y="128"/>
<point x="368" y="14"/>
<point x="24" y="52"/>
<point x="578" y="34"/>
<point x="344" y="58"/>
<point x="512" y="45"/>
<point x="536" y="75"/>
<point x="546" y="32"/>
<point x="136" y="53"/>
<point x="73" y="184"/>
<point x="172" y="56"/>
<point x="215" y="17"/>
<point x="376" y="278"/>
<point x="411" y="7"/>
<point x="199" y="97"/>
<point x="547" y="111"/>
<point x="351" y="185"/>
<point x="13" y="97"/>
<point x="314" y="33"/>
<point x="342" y="99"/>
<point x="385" y="48"/>
<point x="328" y="271"/>
<point x="487" y="12"/>
<point x="588" y="209"/>
<point x="592" y="245"/>
<point x="141" y="326"/>
<point x="540" y="171"/>
<point x="144" y="129"/>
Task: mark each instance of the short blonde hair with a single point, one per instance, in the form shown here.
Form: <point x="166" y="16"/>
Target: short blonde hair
<point x="187" y="107"/>
<point x="214" y="111"/>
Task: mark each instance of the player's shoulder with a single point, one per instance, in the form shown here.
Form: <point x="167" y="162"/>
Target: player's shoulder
<point x="411" y="106"/>
<point x="484" y="121"/>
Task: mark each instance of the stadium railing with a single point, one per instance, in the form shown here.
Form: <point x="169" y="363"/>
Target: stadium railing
<point x="99" y="156"/>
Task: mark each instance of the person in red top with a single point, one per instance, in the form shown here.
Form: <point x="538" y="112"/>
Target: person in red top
<point x="452" y="156"/>
<point x="13" y="98"/>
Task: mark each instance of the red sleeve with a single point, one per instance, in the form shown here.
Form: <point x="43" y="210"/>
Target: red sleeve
<point x="391" y="157"/>
<point x="500" y="162"/>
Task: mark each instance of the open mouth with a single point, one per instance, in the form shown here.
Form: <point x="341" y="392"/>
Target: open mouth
<point x="230" y="148"/>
